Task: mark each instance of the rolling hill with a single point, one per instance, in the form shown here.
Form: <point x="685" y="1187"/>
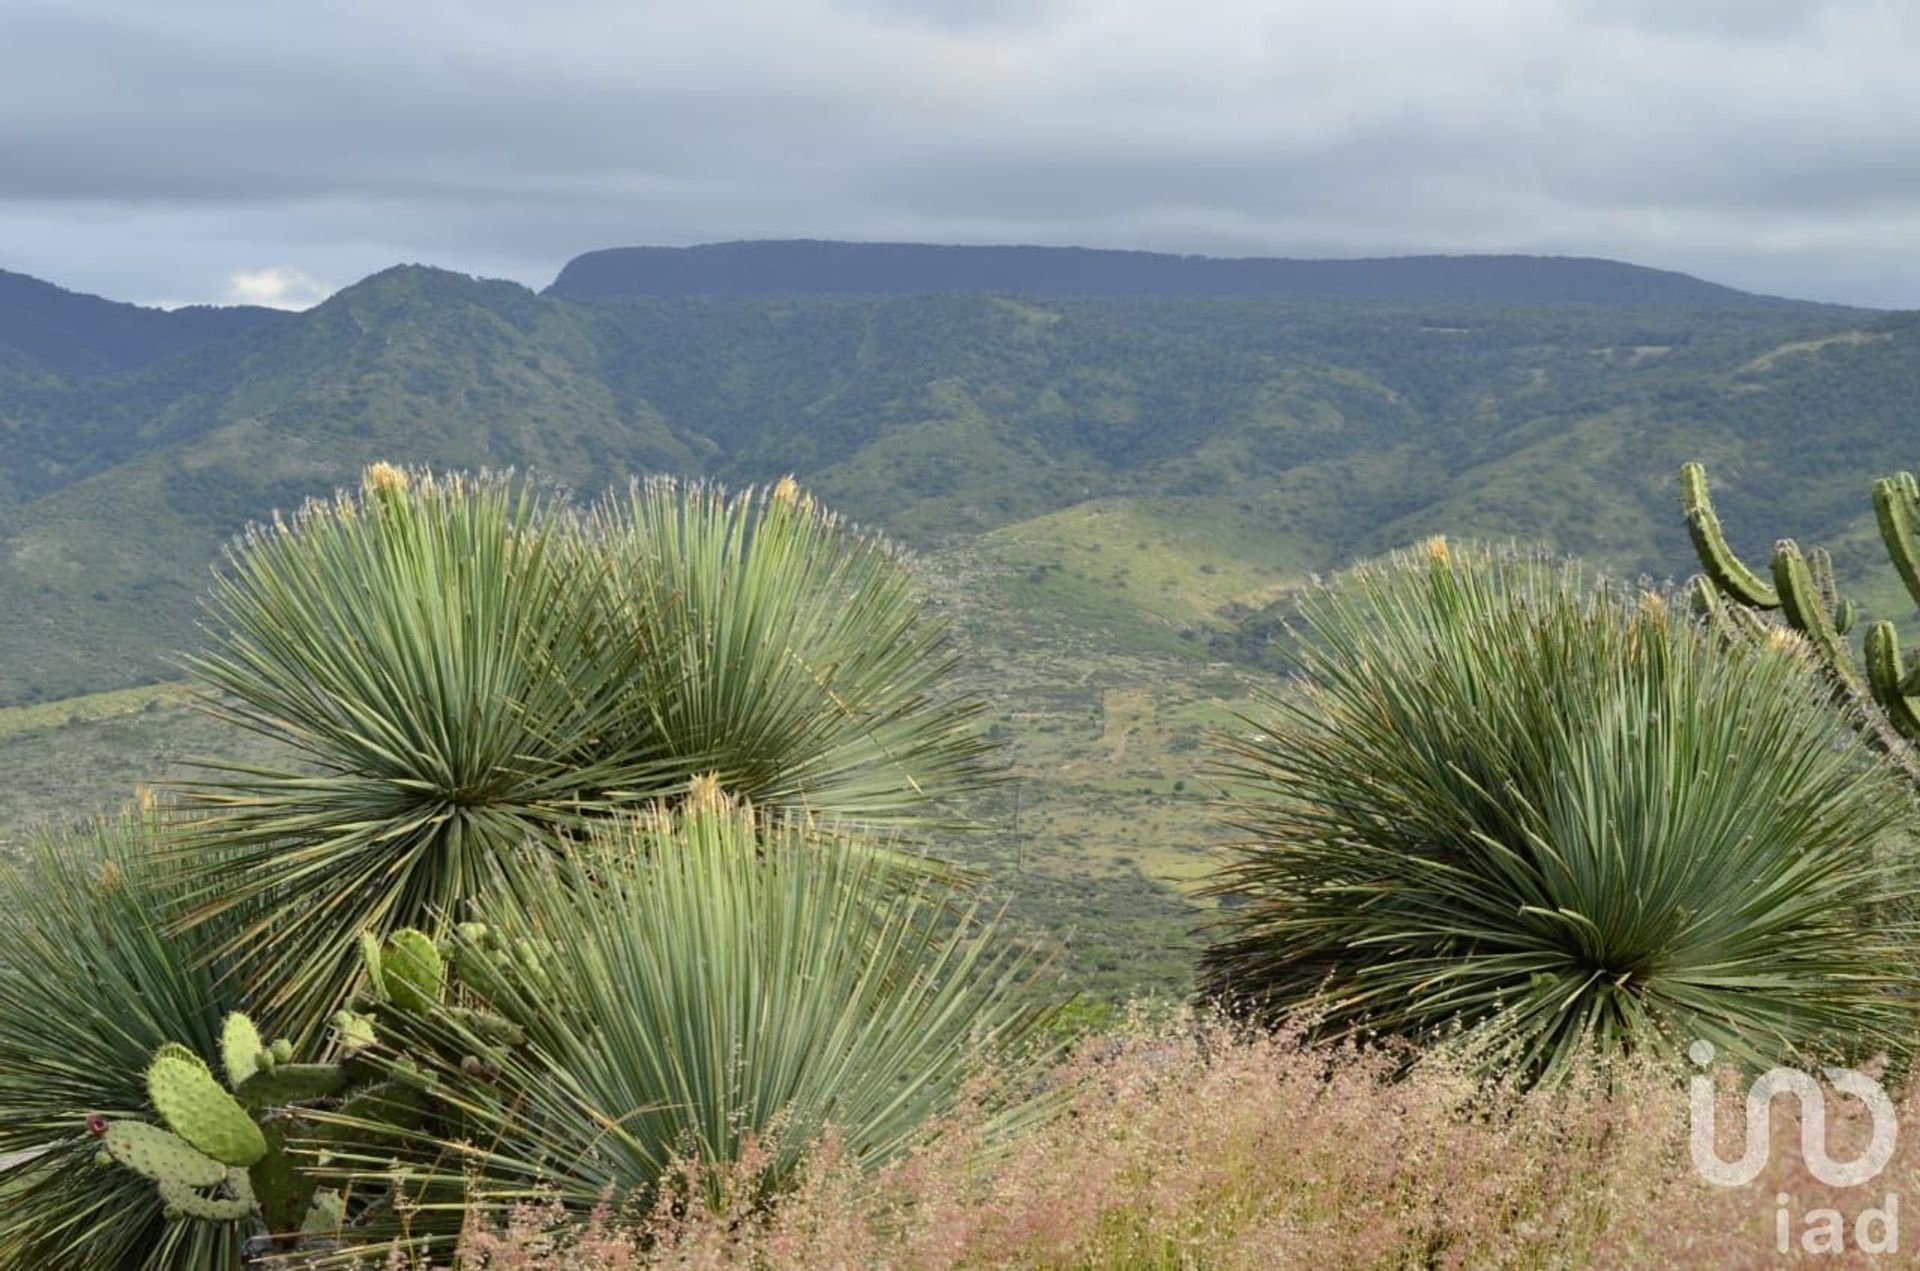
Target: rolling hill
<point x="75" y="334"/>
<point x="1280" y="435"/>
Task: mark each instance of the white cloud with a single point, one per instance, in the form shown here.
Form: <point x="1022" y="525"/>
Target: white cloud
<point x="278" y="287"/>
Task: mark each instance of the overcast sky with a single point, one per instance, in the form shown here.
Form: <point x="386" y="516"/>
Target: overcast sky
<point x="171" y="151"/>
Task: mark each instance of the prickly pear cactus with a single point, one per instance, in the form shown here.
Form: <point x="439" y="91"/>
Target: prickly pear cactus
<point x="215" y="1162"/>
<point x="160" y="1155"/>
<point x="240" y="1049"/>
<point x="412" y="972"/>
<point x="196" y="1107"/>
<point x="226" y="1153"/>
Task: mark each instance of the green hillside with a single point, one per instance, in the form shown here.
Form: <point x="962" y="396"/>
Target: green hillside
<point x="1294" y="434"/>
<point x="1112" y="498"/>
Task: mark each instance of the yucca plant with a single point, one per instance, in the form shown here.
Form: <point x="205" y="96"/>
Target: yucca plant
<point x="1545" y="819"/>
<point x="464" y="669"/>
<point x="433" y="659"/>
<point x="696" y="985"/>
<point x="788" y="653"/>
<point x="91" y="982"/>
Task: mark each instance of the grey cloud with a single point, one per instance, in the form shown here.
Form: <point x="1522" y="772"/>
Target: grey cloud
<point x="152" y="151"/>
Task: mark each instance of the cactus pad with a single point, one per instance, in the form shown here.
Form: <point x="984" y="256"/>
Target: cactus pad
<point x="153" y="1153"/>
<point x="196" y="1108"/>
<point x="370" y="957"/>
<point x="325" y="1215"/>
<point x="353" y="1030"/>
<point x="183" y="1201"/>
<point x="412" y="971"/>
<point x="239" y="1049"/>
<point x="291" y="1083"/>
<point x="177" y="1051"/>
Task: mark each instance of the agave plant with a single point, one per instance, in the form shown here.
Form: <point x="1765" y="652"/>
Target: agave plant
<point x="1548" y="820"/>
<point x="91" y="983"/>
<point x="690" y="984"/>
<point x="460" y="670"/>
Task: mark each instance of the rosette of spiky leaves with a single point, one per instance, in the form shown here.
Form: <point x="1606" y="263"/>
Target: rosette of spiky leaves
<point x="92" y="982"/>
<point x="1560" y="820"/>
<point x="435" y="661"/>
<point x="701" y="979"/>
<point x="790" y="653"/>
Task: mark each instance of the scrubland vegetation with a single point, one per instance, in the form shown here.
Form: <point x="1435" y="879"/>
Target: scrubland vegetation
<point x="581" y="909"/>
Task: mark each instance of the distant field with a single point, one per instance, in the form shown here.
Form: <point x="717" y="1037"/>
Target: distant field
<point x="1153" y="572"/>
<point x="18" y="721"/>
<point x="68" y="761"/>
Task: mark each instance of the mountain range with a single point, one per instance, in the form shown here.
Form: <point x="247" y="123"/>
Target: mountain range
<point x="1154" y="446"/>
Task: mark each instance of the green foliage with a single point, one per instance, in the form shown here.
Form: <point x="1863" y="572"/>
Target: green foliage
<point x="214" y="1163"/>
<point x="786" y="653"/>
<point x="462" y="670"/>
<point x="438" y="675"/>
<point x="698" y="983"/>
<point x="931" y="416"/>
<point x="248" y="1155"/>
<point x="188" y="1098"/>
<point x="93" y="984"/>
<point x="410" y="972"/>
<point x="1556" y="821"/>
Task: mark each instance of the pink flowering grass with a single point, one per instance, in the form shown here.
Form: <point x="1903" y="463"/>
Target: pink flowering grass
<point x="1192" y="1147"/>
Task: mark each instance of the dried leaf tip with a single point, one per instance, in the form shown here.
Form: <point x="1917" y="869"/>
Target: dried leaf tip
<point x="385" y="478"/>
<point x="1786" y="640"/>
<point x="705" y="794"/>
<point x="1436" y="549"/>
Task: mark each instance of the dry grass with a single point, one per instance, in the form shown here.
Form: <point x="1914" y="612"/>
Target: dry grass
<point x="1187" y="1148"/>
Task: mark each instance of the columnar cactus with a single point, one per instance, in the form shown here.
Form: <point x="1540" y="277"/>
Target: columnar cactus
<point x="1803" y="592"/>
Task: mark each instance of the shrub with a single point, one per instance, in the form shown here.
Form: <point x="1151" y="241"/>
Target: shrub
<point x="786" y="654"/>
<point x="701" y="985"/>
<point x="1538" y="817"/>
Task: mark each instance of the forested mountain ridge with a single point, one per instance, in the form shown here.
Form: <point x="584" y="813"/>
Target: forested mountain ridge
<point x="1156" y="466"/>
<point x="75" y="334"/>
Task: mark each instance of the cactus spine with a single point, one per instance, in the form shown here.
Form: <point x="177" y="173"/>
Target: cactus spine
<point x="1804" y="593"/>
